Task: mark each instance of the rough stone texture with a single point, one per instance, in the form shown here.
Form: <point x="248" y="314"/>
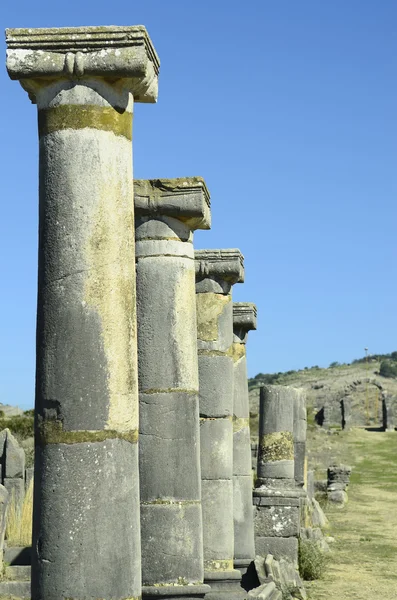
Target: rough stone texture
<point x="264" y="592"/>
<point x="16" y="490"/>
<point x="216" y="272"/>
<point x="83" y="522"/>
<point x="277" y="499"/>
<point x="14" y="459"/>
<point x="282" y="574"/>
<point x="310" y="484"/>
<point x="278" y="521"/>
<point x="300" y="427"/>
<point x="279" y="547"/>
<point x="167" y="213"/>
<point x="276" y="427"/>
<point x="4" y="499"/>
<point x="244" y="320"/>
<point x="338" y="477"/>
<point x="85" y="81"/>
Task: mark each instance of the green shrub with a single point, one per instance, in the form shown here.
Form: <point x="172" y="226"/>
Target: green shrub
<point x="22" y="426"/>
<point x="388" y="369"/>
<point x="311" y="560"/>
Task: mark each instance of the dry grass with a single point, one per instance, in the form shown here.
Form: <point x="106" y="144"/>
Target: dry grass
<point x="19" y="520"/>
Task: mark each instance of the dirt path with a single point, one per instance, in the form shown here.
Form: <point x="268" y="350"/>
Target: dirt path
<point x="363" y="562"/>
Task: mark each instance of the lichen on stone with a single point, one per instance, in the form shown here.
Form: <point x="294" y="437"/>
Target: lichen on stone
<point x="275" y="446"/>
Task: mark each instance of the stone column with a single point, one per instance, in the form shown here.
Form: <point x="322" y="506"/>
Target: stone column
<point x="216" y="272"/>
<point x="276" y="497"/>
<point x="244" y="320"/>
<point x="300" y="427"/>
<point x="167" y="212"/>
<point x="86" y="538"/>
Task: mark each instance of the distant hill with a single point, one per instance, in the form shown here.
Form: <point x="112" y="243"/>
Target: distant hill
<point x="341" y="395"/>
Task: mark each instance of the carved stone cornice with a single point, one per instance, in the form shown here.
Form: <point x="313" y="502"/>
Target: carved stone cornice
<point x="225" y="265"/>
<point x="73" y="53"/>
<point x="244" y="316"/>
<point x="186" y="199"/>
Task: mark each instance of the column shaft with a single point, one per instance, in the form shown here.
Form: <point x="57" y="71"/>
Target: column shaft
<point x="171" y="517"/>
<point x="86" y="535"/>
<point x="216" y="272"/>
<point x="244" y="319"/>
<point x="276" y="498"/>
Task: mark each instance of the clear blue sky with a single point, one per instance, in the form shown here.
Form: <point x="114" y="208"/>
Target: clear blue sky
<point x="288" y="110"/>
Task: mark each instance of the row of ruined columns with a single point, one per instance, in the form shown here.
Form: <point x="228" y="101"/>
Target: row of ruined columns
<point x="142" y="454"/>
<point x="143" y="482"/>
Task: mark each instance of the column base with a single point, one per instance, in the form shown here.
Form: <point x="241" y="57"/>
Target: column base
<point x="242" y="564"/>
<point x="225" y="585"/>
<point x="175" y="592"/>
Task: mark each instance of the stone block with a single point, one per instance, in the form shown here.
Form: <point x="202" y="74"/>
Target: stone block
<point x="4" y="499"/>
<point x="165" y="446"/>
<point x="217" y="504"/>
<point x="318" y="517"/>
<point x="16" y="490"/>
<point x="338" y="497"/>
<point x="176" y="362"/>
<point x="216" y="439"/>
<point x="216" y="385"/>
<point x="244" y="547"/>
<point x="278" y="547"/>
<point x="300" y="455"/>
<point x="241" y="451"/>
<point x="278" y="521"/>
<point x="88" y="518"/>
<point x="14" y="458"/>
<point x="259" y="500"/>
<point x="171" y="545"/>
<point x="263" y="592"/>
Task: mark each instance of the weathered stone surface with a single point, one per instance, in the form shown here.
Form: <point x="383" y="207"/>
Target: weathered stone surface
<point x="14" y="458"/>
<point x="83" y="518"/>
<point x="244" y="545"/>
<point x="300" y="427"/>
<point x="85" y="81"/>
<point x="263" y="592"/>
<point x="241" y="449"/>
<point x="4" y="499"/>
<point x="338" y="497"/>
<point x="217" y="499"/>
<point x="216" y="272"/>
<point x="216" y="436"/>
<point x="318" y="517"/>
<point x="16" y="491"/>
<point x="174" y="526"/>
<point x="168" y="210"/>
<point x="216" y="379"/>
<point x="121" y="52"/>
<point x="279" y="547"/>
<point x="165" y="446"/>
<point x="279" y="521"/>
<point x="276" y="430"/>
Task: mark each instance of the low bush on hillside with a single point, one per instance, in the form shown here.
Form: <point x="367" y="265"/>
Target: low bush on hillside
<point x="21" y="425"/>
<point x="388" y="369"/>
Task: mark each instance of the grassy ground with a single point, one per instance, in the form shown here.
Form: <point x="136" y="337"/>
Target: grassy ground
<point x="363" y="562"/>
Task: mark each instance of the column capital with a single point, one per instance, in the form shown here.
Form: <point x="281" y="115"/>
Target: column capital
<point x="244" y="316"/>
<point x="186" y="199"/>
<point x="39" y="56"/>
<point x="225" y="267"/>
